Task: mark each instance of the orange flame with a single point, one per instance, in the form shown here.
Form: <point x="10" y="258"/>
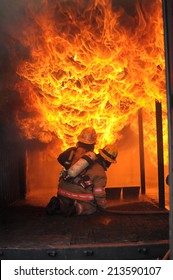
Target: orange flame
<point x="91" y="63"/>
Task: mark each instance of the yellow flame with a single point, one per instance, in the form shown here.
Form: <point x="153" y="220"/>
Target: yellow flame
<point x="91" y="64"/>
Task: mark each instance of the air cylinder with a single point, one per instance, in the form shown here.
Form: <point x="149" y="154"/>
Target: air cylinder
<point x="85" y="161"/>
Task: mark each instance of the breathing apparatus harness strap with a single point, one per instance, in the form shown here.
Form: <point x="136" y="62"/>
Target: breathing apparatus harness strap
<point x="68" y="162"/>
<point x="89" y="160"/>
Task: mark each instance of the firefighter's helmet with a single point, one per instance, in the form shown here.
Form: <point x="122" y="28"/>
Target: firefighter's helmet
<point x="109" y="152"/>
<point x="88" y="136"/>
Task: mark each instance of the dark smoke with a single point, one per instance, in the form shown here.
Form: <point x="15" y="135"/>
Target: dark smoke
<point x="11" y="53"/>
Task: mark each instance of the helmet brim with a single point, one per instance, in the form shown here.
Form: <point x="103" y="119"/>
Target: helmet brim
<point x="101" y="152"/>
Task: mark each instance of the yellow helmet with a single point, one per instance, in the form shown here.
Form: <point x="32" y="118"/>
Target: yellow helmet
<point x="109" y="152"/>
<point x="88" y="136"/>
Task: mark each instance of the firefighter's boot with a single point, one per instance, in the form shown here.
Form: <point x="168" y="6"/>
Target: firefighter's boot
<point x="70" y="211"/>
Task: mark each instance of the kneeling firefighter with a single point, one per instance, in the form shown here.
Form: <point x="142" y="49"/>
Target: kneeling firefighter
<point x="81" y="187"/>
<point x="84" y="148"/>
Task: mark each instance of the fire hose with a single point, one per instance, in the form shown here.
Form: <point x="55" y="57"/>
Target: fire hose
<point x="134" y="212"/>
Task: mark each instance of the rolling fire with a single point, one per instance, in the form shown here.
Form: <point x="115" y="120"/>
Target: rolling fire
<point x="91" y="63"/>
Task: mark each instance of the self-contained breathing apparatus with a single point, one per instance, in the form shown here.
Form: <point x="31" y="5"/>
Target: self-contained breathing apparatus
<point x="76" y="172"/>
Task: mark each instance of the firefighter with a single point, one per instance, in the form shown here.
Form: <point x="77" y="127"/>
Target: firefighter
<point x="84" y="194"/>
<point x="86" y="142"/>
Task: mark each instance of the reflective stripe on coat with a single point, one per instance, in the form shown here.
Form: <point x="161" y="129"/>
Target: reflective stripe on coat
<point x="98" y="177"/>
<point x="76" y="196"/>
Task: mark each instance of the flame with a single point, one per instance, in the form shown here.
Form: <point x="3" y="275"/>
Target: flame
<point x="91" y="63"/>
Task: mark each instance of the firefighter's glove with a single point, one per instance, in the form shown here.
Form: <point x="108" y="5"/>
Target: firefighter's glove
<point x="65" y="175"/>
<point x="53" y="206"/>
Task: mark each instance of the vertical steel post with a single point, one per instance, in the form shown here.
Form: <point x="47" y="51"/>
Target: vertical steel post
<point x="160" y="159"/>
<point x="141" y="151"/>
<point x="168" y="36"/>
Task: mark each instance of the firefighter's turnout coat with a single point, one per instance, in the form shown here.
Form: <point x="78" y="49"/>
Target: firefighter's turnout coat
<point x="88" y="198"/>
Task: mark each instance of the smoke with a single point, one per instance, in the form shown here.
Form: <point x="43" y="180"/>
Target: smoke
<point x="13" y="22"/>
<point x="12" y="18"/>
<point x="10" y="14"/>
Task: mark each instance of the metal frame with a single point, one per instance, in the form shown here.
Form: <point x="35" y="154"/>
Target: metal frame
<point x="141" y="151"/>
<point x="160" y="158"/>
<point x="130" y="251"/>
<point x="168" y="35"/>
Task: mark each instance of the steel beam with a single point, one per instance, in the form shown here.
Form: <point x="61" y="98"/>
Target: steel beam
<point x="160" y="158"/>
<point x="141" y="151"/>
<point x="168" y="36"/>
